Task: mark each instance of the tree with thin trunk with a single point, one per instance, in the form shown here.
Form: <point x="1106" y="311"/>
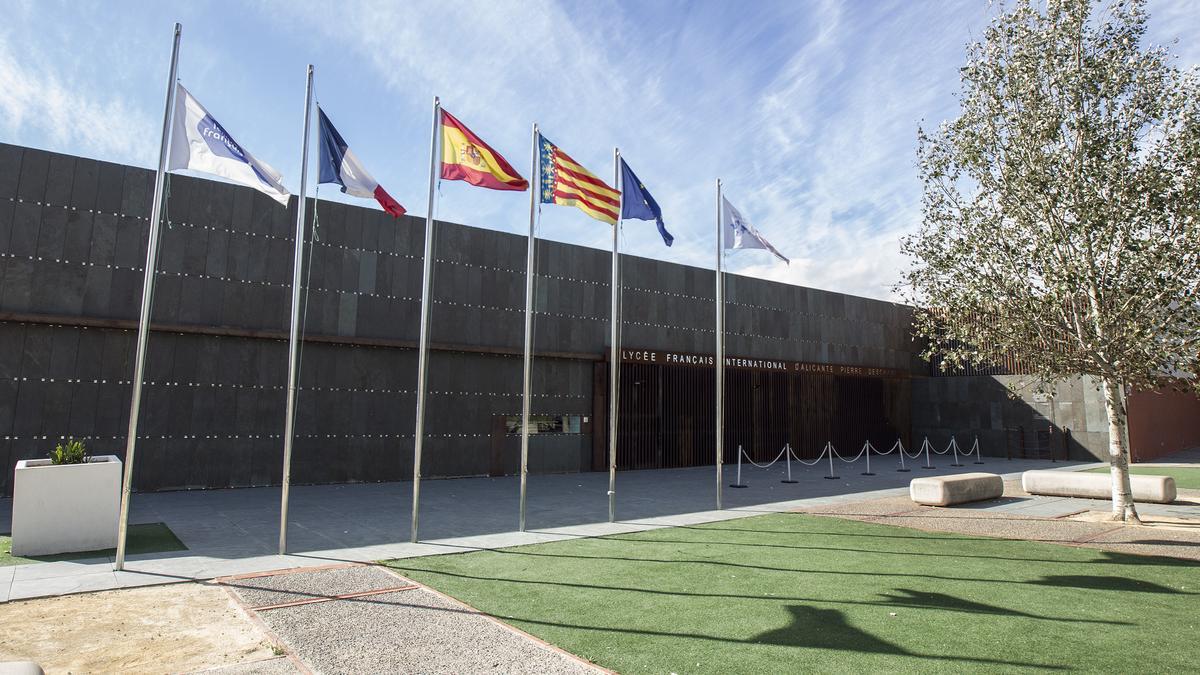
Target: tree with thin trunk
<point x="1061" y="210"/>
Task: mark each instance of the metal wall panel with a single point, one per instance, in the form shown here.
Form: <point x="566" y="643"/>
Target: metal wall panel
<point x="214" y="408"/>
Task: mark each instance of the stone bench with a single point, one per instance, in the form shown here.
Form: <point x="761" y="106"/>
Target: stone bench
<point x="959" y="489"/>
<point x="1157" y="489"/>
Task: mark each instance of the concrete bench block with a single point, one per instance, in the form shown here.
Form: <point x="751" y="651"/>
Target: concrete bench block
<point x="1156" y="489"/>
<point x="948" y="490"/>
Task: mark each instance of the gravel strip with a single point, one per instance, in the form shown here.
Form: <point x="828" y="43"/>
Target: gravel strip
<point x="281" y="588"/>
<point x="409" y="632"/>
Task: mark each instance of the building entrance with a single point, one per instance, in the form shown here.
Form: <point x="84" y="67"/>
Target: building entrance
<point x="667" y="411"/>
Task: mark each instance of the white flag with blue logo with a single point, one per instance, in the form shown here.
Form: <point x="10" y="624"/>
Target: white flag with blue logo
<point x="200" y="143"/>
<point x="739" y="233"/>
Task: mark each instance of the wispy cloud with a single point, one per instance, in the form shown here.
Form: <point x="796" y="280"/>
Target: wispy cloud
<point x="808" y="111"/>
<point x="37" y="96"/>
<point x="838" y="188"/>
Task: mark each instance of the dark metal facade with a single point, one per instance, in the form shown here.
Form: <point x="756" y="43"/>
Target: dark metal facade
<point x="72" y="245"/>
<point x="667" y="414"/>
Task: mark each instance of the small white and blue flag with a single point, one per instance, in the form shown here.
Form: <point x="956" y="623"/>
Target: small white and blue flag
<point x="200" y="143"/>
<point x="739" y="233"/>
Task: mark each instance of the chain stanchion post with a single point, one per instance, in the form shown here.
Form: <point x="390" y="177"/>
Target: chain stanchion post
<point x="829" y="449"/>
<point x="978" y="459"/>
<point x="926" y="446"/>
<point x="867" y="449"/>
<point x="902" y="469"/>
<point x="787" y="449"/>
<point x="738" y="483"/>
<point x="954" y="444"/>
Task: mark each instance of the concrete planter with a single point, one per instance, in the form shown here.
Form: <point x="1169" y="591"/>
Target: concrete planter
<point x="65" y="508"/>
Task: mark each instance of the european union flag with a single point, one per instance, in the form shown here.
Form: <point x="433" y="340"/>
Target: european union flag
<point x="637" y="203"/>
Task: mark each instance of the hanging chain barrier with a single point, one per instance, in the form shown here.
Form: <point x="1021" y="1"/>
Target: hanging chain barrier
<point x="828" y="452"/>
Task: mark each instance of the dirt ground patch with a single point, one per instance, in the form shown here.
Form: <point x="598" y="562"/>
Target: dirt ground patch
<point x="158" y="629"/>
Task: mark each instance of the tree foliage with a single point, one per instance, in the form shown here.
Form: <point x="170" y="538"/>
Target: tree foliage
<point x="1060" y="221"/>
<point x="1062" y="205"/>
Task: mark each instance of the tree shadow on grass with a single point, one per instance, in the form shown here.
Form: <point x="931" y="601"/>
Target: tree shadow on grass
<point x="817" y="628"/>
<point x="1105" y="583"/>
<point x="526" y="552"/>
<point x="916" y="599"/>
<point x="923" y="554"/>
<point x="809" y="628"/>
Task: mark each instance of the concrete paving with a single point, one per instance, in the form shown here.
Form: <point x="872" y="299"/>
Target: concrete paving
<point x="230" y="532"/>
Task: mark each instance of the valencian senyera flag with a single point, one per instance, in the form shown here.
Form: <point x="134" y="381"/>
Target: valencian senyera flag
<point x="466" y="157"/>
<point x="637" y="203"/>
<point x="567" y="183"/>
<point x="739" y="233"/>
<point x="340" y="165"/>
<point x="200" y="143"/>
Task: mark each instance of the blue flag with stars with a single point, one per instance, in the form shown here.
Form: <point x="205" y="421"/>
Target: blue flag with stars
<point x="637" y="203"/>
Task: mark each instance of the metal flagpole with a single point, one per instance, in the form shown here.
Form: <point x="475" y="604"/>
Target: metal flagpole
<point x="289" y="422"/>
<point x="139" y="364"/>
<point x="526" y="374"/>
<point x="614" y="365"/>
<point x="426" y="301"/>
<point x="720" y="352"/>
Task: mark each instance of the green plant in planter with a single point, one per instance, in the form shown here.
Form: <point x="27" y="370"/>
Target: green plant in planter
<point x="71" y="453"/>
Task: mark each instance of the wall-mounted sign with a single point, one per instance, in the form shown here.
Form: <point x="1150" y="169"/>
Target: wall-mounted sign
<point x="667" y="358"/>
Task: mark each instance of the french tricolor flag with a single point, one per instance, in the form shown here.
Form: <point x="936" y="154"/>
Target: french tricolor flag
<point x="340" y="165"/>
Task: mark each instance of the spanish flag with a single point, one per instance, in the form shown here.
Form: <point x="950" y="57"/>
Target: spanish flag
<point x="466" y="157"/>
<point x="567" y="183"/>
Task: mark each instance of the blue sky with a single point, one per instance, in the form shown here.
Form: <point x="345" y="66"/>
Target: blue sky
<point x="807" y="110"/>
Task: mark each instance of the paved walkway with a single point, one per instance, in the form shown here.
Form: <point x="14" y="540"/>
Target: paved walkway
<point x="231" y="532"/>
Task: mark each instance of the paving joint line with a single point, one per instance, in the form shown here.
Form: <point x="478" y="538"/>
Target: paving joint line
<point x="331" y="598"/>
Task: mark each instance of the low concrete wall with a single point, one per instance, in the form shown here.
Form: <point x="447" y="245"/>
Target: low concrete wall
<point x="998" y="409"/>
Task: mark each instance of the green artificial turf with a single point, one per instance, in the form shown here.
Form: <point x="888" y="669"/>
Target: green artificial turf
<point x="800" y="593"/>
<point x="1185" y="477"/>
<point x="143" y="538"/>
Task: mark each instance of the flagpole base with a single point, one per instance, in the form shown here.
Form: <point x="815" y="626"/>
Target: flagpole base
<point x="832" y="477"/>
<point x="868" y="473"/>
<point x="735" y="485"/>
<point x="789" y="481"/>
<point x="956" y="465"/>
<point x="903" y="470"/>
